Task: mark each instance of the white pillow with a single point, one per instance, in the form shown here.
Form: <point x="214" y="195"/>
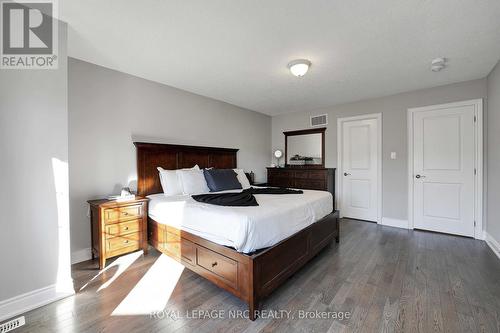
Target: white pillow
<point x="170" y="182"/>
<point x="193" y="182"/>
<point x="242" y="178"/>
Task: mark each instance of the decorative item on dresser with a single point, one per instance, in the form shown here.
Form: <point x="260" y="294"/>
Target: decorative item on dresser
<point x="250" y="277"/>
<point x="118" y="227"/>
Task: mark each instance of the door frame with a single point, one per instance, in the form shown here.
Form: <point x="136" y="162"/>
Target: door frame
<point x="478" y="159"/>
<point x="340" y="143"/>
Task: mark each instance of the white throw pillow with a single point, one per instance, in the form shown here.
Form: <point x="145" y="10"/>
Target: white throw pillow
<point x="242" y="178"/>
<point x="170" y="181"/>
<point x="193" y="181"/>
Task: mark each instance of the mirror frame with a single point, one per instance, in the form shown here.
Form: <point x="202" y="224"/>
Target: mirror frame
<point x="320" y="130"/>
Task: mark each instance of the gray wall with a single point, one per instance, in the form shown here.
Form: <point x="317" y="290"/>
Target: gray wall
<point x="394" y="136"/>
<point x="493" y="153"/>
<point x="34" y="140"/>
<point x="108" y="110"/>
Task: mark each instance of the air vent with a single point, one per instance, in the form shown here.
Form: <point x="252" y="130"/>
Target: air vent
<point x="320" y="120"/>
<point x="12" y="324"/>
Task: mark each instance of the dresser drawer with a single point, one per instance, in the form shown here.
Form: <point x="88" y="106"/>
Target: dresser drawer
<point x="180" y="248"/>
<point x="280" y="182"/>
<point x="127" y="242"/>
<point x="112" y="215"/>
<point x="310" y="184"/>
<point x="123" y="228"/>
<point x="317" y="174"/>
<point x="278" y="172"/>
<point x="310" y="174"/>
<point x="218" y="264"/>
<point x="301" y="175"/>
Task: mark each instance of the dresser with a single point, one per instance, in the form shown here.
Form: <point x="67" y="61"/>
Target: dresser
<point x="118" y="227"/>
<point x="303" y="178"/>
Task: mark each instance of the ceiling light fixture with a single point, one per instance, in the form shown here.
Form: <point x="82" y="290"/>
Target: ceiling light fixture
<point x="299" y="67"/>
<point x="438" y="64"/>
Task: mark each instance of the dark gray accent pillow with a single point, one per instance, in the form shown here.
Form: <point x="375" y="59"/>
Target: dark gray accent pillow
<point x="221" y="179"/>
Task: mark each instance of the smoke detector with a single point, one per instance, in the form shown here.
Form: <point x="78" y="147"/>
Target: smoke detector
<point x="438" y="64"/>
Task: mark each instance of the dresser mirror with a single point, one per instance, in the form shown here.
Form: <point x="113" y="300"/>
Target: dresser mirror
<point x="305" y="148"/>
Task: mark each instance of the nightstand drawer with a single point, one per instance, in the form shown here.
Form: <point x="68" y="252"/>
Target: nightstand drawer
<point x="118" y="227"/>
<point x="128" y="242"/>
<point x="123" y="213"/>
<point x="123" y="228"/>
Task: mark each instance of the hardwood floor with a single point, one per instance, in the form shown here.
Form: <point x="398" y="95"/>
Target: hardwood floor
<point x="388" y="279"/>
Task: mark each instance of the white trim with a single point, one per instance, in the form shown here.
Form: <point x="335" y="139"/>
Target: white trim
<point x="26" y="302"/>
<point x="478" y="163"/>
<point x="492" y="243"/>
<point x="397" y="223"/>
<point x="478" y="180"/>
<point x="409" y="124"/>
<point x="81" y="255"/>
<point x="339" y="183"/>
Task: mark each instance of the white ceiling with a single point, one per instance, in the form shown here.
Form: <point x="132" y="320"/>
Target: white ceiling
<point x="237" y="50"/>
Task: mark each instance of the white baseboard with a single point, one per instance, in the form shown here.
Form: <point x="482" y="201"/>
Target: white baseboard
<point x="390" y="222"/>
<point x="492" y="243"/>
<point x="26" y="302"/>
<point x="81" y="255"/>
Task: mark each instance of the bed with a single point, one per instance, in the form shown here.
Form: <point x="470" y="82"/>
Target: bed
<point x="264" y="246"/>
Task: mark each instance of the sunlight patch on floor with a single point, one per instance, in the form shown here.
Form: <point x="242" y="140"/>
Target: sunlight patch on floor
<point x="153" y="291"/>
<point x="121" y="264"/>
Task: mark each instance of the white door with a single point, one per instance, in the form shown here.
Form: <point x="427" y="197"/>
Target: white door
<point x="443" y="169"/>
<point x="359" y="169"/>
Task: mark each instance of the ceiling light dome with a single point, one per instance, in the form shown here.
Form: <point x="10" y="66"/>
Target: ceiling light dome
<point x="299" y="67"/>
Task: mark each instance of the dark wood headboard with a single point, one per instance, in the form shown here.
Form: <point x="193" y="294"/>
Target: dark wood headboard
<point x="171" y="157"/>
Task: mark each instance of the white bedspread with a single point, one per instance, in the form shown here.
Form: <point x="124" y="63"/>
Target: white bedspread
<point x="244" y="228"/>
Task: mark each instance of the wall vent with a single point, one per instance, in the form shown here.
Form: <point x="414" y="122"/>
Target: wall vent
<point x="320" y="120"/>
<point x="12" y="324"/>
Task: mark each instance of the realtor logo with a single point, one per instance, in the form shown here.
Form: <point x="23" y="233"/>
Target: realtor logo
<point x="28" y="34"/>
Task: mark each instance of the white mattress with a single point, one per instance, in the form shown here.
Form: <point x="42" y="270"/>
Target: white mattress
<point x="244" y="228"/>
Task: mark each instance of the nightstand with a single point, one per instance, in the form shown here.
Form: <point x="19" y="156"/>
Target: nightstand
<point x="118" y="227"/>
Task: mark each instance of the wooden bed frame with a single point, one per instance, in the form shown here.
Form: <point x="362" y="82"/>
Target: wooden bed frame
<point x="250" y="277"/>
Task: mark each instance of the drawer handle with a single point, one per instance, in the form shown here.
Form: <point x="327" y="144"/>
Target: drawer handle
<point x="214" y="264"/>
<point x="126" y="242"/>
<point x="125" y="213"/>
<point x="126" y="228"/>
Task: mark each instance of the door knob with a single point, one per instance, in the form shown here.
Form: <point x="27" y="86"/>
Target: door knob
<point x="346" y="174"/>
<point x="419" y="176"/>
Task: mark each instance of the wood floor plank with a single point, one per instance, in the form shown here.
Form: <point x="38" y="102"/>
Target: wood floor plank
<point x="387" y="279"/>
